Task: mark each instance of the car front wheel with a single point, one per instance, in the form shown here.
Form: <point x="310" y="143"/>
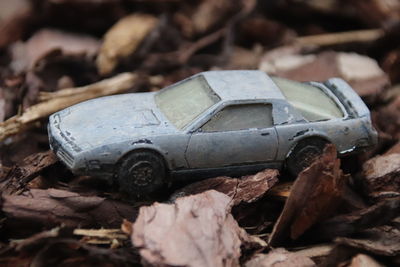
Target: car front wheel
<point x="304" y="154"/>
<point x="141" y="172"/>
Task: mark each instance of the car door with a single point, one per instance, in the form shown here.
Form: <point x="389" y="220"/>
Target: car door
<point x="236" y="135"/>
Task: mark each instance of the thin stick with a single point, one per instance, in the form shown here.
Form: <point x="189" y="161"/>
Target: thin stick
<point x="341" y="37"/>
<point x="63" y="99"/>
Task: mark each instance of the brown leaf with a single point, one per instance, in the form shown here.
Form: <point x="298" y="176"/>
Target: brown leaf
<point x="380" y="175"/>
<point x="196" y="230"/>
<point x="246" y="189"/>
<point x="48" y="42"/>
<point x="314" y="196"/>
<point x="52" y="207"/>
<point x="123" y="39"/>
<point x="280" y="258"/>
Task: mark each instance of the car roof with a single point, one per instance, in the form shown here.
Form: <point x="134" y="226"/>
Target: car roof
<point x="242" y="85"/>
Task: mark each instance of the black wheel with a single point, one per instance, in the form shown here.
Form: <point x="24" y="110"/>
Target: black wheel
<point x="141" y="172"/>
<point x="304" y="154"/>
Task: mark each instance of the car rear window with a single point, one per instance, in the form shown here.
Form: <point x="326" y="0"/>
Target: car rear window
<point x="310" y="101"/>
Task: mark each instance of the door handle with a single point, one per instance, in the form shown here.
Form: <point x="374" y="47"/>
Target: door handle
<point x="264" y="134"/>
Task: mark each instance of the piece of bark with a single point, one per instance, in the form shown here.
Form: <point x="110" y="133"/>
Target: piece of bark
<point x="246" y="189"/>
<point x="19" y="123"/>
<point x="19" y="176"/>
<point x="347" y="224"/>
<point x="52" y="207"/>
<point x="211" y="12"/>
<point x="314" y="196"/>
<point x="381" y="175"/>
<point x="196" y="230"/>
<point x="123" y="39"/>
<point x="383" y="240"/>
<point x="362" y="260"/>
<point x="49" y="42"/>
<point x="280" y="258"/>
<point x="361" y="72"/>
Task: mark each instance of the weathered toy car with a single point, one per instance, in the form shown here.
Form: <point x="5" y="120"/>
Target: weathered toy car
<point x="211" y="123"/>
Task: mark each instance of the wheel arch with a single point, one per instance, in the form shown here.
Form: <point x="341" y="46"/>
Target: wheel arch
<point x="153" y="150"/>
<point x="304" y="138"/>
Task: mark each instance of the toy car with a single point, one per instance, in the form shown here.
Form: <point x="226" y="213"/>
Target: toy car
<point x="215" y="122"/>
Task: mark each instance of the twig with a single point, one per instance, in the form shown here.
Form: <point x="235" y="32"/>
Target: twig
<point x="341" y="37"/>
<point x="65" y="98"/>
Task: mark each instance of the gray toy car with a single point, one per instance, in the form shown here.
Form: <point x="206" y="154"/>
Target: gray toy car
<point x="215" y="122"/>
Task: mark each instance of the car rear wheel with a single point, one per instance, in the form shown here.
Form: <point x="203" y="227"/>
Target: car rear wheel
<point x="304" y="153"/>
<point x="141" y="172"/>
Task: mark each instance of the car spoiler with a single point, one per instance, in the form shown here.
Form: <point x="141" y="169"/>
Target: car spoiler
<point x="348" y="97"/>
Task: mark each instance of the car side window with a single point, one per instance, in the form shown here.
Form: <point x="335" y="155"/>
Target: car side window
<point x="240" y="117"/>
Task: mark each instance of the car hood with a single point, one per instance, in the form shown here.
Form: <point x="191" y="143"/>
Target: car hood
<point x="110" y="119"/>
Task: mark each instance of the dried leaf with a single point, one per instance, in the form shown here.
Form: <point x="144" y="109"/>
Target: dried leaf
<point x="196" y="230"/>
<point x="314" y="196"/>
<point x="246" y="189"/>
<point x="280" y="258"/>
<point x="123" y="39"/>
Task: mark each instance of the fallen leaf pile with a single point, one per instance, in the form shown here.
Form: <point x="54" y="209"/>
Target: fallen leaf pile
<point x="337" y="212"/>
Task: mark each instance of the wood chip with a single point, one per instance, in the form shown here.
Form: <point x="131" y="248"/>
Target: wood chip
<point x="196" y="230"/>
<point x="347" y="224"/>
<point x="381" y="175"/>
<point x="46" y="42"/>
<point x="362" y="260"/>
<point x="20" y="176"/>
<point x="382" y="240"/>
<point x="246" y="189"/>
<point x="123" y="39"/>
<point x="53" y="207"/>
<point x="314" y="196"/>
<point x="280" y="258"/>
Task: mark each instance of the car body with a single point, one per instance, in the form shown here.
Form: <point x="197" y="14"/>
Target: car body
<point x="211" y="123"/>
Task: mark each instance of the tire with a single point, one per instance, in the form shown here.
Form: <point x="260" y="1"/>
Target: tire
<point x="304" y="153"/>
<point x="141" y="172"/>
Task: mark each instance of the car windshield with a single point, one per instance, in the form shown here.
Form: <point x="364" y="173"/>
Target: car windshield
<point x="185" y="101"/>
<point x="310" y="101"/>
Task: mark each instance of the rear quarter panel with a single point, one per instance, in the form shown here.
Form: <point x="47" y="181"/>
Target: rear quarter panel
<point x="343" y="133"/>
